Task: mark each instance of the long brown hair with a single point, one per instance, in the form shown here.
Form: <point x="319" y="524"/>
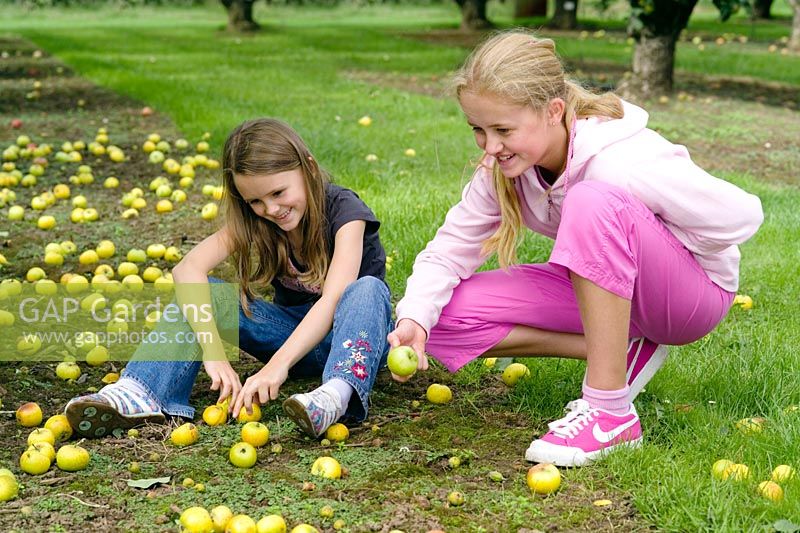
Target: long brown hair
<point x="522" y="69"/>
<point x="260" y="249"/>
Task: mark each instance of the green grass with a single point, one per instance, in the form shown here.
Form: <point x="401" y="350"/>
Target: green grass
<point x="178" y="61"/>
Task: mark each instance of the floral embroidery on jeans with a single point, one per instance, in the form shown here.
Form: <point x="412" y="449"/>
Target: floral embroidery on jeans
<point x="355" y="363"/>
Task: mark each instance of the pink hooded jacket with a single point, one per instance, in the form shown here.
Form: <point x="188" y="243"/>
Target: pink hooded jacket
<point x="708" y="215"/>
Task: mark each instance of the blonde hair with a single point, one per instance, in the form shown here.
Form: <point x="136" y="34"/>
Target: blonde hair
<point x="524" y="70"/>
<point x="260" y="249"/>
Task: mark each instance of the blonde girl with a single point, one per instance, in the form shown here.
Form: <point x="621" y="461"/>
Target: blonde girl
<point x="645" y="252"/>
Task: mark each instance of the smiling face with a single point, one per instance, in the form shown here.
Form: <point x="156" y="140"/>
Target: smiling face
<point x="519" y="137"/>
<point x="279" y="198"/>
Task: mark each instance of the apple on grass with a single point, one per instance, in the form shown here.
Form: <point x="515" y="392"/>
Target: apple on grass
<point x="543" y="478"/>
<point x="29" y="414"/>
<point x="402" y="361"/>
<point x="196" y="520"/>
<point x="327" y="467"/>
<point x="71" y="458"/>
<point x="255" y="433"/>
<point x="243" y="455"/>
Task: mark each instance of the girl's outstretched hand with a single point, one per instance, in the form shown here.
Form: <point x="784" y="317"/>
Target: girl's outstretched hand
<point x="261" y="387"/>
<point x="409" y="333"/>
<point x="223" y="378"/>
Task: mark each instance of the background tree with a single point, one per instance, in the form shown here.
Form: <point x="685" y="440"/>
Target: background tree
<point x="565" y="16"/>
<point x="473" y="15"/>
<point x="530" y="8"/>
<point x="761" y="9"/>
<point x="656" y="25"/>
<point x="240" y="15"/>
<point x="794" y="40"/>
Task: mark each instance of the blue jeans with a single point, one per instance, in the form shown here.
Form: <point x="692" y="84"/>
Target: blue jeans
<point x="354" y="350"/>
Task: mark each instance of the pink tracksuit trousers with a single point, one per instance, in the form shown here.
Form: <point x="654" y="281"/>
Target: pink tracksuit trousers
<point x="609" y="237"/>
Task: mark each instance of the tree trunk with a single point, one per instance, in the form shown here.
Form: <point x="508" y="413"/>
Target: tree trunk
<point x="240" y="15"/>
<point x="794" y="40"/>
<point x="653" y="64"/>
<point x="473" y="15"/>
<point x="530" y="8"/>
<point x="565" y="16"/>
<point x="761" y="9"/>
<point x="656" y="30"/>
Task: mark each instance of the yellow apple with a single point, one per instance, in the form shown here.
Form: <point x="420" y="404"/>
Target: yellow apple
<point x="111" y="182"/>
<point x="220" y="516"/>
<point x="68" y="247"/>
<point x="105" y="249"/>
<point x="172" y="254"/>
<point x="273" y="523"/>
<point x="163" y="284"/>
<point x="214" y="415"/>
<point x="719" y="467"/>
<point x="241" y="523"/>
<point x="337" y="433"/>
<point x="77" y="285"/>
<point x="35" y="274"/>
<point x="68" y="370"/>
<point x="29" y="415"/>
<point x="53" y="259"/>
<point x="151" y="274"/>
<point x="61" y="191"/>
<point x="245" y="417"/>
<point x="514" y="372"/>
<point x="365" y="121"/>
<point x="60" y="427"/>
<point x="89" y="257"/>
<point x="46" y="222"/>
<point x="71" y="458"/>
<point x="45" y="287"/>
<point x="770" y="490"/>
<point x="255" y="433"/>
<point x="736" y="472"/>
<point x="782" y="473"/>
<point x="455" y="499"/>
<point x="133" y="283"/>
<point x="105" y="270"/>
<point x="439" y="394"/>
<point x="33" y="462"/>
<point x="185" y="435"/>
<point x="137" y="255"/>
<point x="44" y="448"/>
<point x="243" y="455"/>
<point x="196" y="520"/>
<point x="9" y="488"/>
<point x="305" y="528"/>
<point x="16" y="212"/>
<point x="543" y="478"/>
<point x="127" y="268"/>
<point x="327" y="467"/>
<point x="41" y="435"/>
<point x="97" y="356"/>
<point x="209" y="211"/>
<point x="164" y="206"/>
<point x="156" y="251"/>
<point x="94" y="301"/>
<point x="749" y="426"/>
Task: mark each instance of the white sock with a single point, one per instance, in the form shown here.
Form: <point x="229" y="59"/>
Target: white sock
<point x="341" y="390"/>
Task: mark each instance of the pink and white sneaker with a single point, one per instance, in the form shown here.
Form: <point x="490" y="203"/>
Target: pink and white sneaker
<point x="584" y="435"/>
<point x="644" y="359"/>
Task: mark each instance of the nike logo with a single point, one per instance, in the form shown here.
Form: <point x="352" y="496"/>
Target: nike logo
<point x="605" y="437"/>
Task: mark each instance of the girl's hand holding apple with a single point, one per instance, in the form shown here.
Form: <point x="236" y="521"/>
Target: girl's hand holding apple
<point x="409" y="333"/>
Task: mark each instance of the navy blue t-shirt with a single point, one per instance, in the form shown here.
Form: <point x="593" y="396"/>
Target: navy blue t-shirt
<point x="341" y="206"/>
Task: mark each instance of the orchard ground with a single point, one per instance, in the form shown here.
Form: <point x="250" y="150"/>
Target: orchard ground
<point x="397" y="462"/>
